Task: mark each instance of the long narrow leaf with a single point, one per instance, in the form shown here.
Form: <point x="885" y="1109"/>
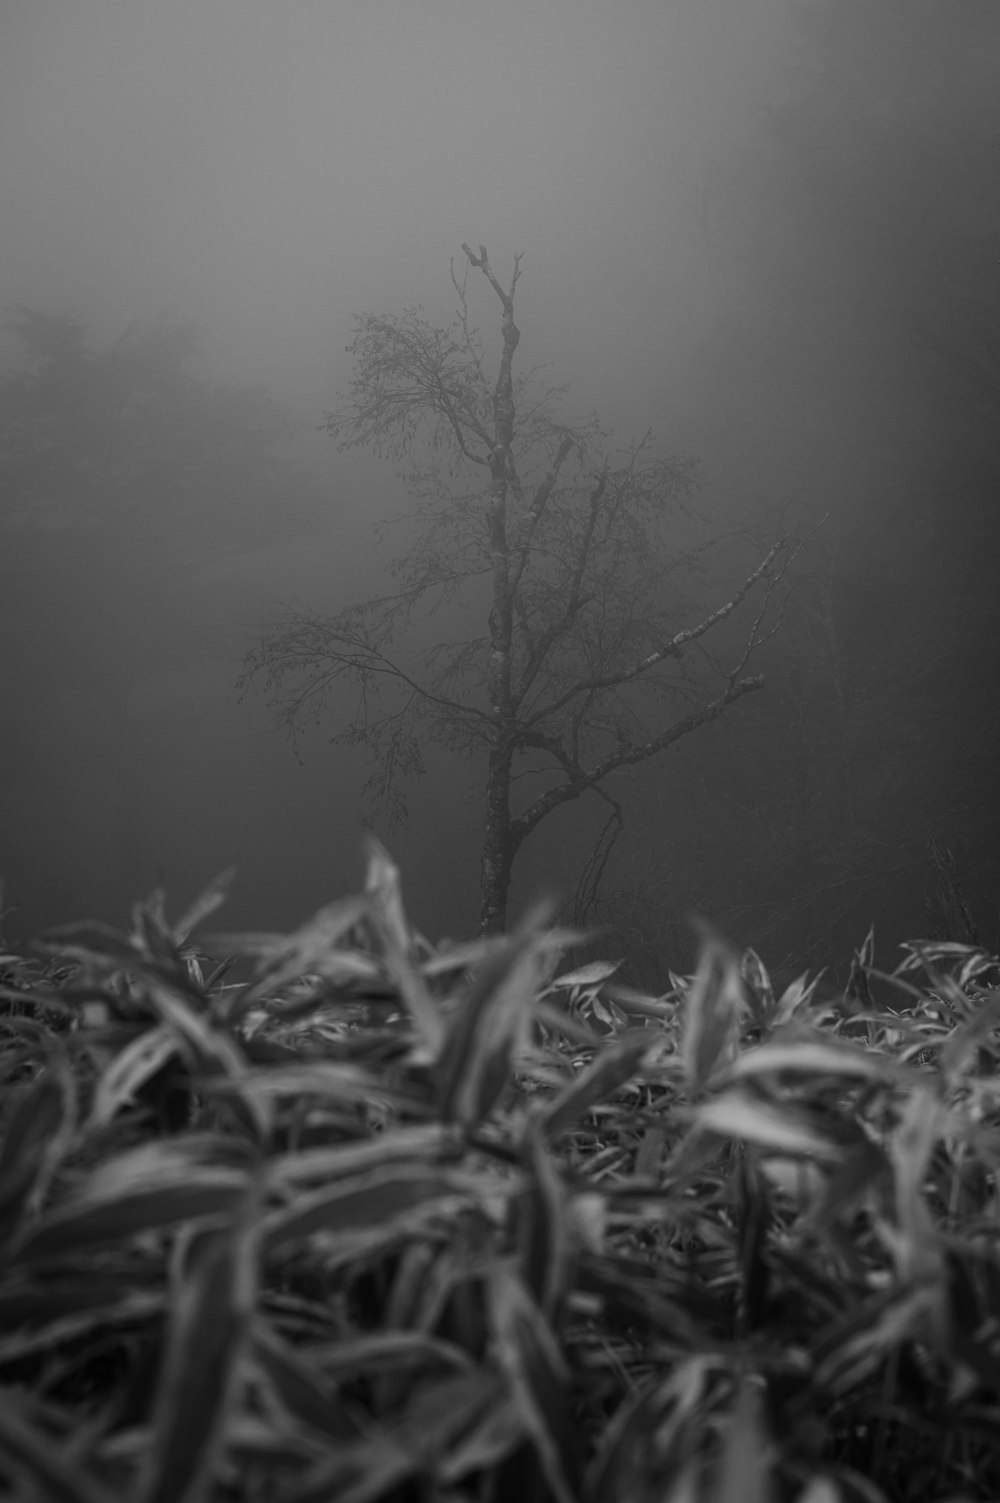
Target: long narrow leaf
<point x="37" y="1134"/>
<point x="301" y="1387"/>
<point x="49" y="1326"/>
<point x="541" y="1223"/>
<point x="591" y="974"/>
<point x="89" y="940"/>
<point x="388" y="916"/>
<point x="745" y="1467"/>
<point x="810" y="1056"/>
<point x="381" y="1350"/>
<point x="199" y="1386"/>
<point x="530" y="1357"/>
<point x="48" y="1467"/>
<point x="129" y="1071"/>
<point x="779" y="1129"/>
<point x="382" y="1200"/>
<point x="757" y="984"/>
<point x="286" y="957"/>
<point x="87" y="1227"/>
<point x="429" y="1144"/>
<point x="439" y="1418"/>
<point x="475" y="1062"/>
<point x="615" y="1064"/>
<point x="647" y="1448"/>
<point x="208" y="901"/>
<point x="712" y="1007"/>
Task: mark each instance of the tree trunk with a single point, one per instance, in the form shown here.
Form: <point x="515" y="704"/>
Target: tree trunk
<point x="498" y="843"/>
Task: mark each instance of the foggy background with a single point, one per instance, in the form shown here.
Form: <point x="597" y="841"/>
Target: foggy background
<point x="768" y="230"/>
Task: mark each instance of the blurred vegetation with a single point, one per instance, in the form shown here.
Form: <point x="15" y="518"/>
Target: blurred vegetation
<point x="337" y="1214"/>
<point x="129" y="439"/>
<point x="138" y="498"/>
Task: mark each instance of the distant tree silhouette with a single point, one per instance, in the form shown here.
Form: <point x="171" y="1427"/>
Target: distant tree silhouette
<point x="131" y="435"/>
<point x="588" y="660"/>
<point x="128" y="480"/>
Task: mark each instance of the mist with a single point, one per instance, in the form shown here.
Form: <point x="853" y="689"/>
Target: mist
<point x="765" y="231"/>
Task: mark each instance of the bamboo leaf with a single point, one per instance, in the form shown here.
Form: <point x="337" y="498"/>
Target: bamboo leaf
<point x="213" y="897"/>
<point x="807" y="1056"/>
<point x="910" y="1149"/>
<point x="863" y="1166"/>
<point x="587" y="975"/>
<point x="383" y="889"/>
<point x="183" y="1159"/>
<point x="615" y="1064"/>
<point x="439" y="1418"/>
<point x="37" y="1134"/>
<point x="796" y="997"/>
<point x="541" y="1227"/>
<point x="856" y="1346"/>
<point x="647" y="1449"/>
<point x="489" y="1443"/>
<point x="28" y="1302"/>
<point x="84" y="1230"/>
<point x="129" y="1071"/>
<point x="712" y="1007"/>
<point x="758" y="985"/>
<point x="89" y="940"/>
<point x="633" y="1296"/>
<point x="311" y="1077"/>
<point x="43" y="1323"/>
<point x="752" y="1230"/>
<point x="529" y="1355"/>
<point x="215" y="1052"/>
<point x="963" y="1042"/>
<point x="744" y="1472"/>
<point x="821" y="1490"/>
<point x="781" y="1130"/>
<point x="199" y="1387"/>
<point x="120" y="1202"/>
<point x="286" y="957"/>
<point x="380" y="1350"/>
<point x="50" y="1469"/>
<point x="383" y="1199"/>
<point x="302" y="1389"/>
<point x="474" y="1064"/>
<point x="428" y="1144"/>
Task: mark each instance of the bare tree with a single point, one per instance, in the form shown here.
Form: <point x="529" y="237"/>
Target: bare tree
<point x="585" y="666"/>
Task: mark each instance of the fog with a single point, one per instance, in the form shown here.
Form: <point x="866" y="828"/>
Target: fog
<point x="271" y="171"/>
<point x="767" y="231"/>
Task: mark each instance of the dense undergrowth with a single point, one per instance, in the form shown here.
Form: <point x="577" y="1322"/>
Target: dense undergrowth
<point x="341" y="1216"/>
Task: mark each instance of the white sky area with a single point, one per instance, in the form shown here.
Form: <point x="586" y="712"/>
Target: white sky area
<point x="270" y="167"/>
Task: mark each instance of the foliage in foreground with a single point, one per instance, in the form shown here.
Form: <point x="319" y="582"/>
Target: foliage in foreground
<point x="380" y="1221"/>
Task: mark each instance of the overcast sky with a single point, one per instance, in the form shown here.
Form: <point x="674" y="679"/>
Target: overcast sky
<point x="272" y="166"/>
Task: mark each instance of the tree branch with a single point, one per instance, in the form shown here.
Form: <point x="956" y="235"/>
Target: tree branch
<point x="574" y="601"/>
<point x="580" y="780"/>
<point x="539" y="501"/>
<point x="405" y="370"/>
<point x="673" y="648"/>
<point x="503" y="395"/>
<point x="309" y="642"/>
